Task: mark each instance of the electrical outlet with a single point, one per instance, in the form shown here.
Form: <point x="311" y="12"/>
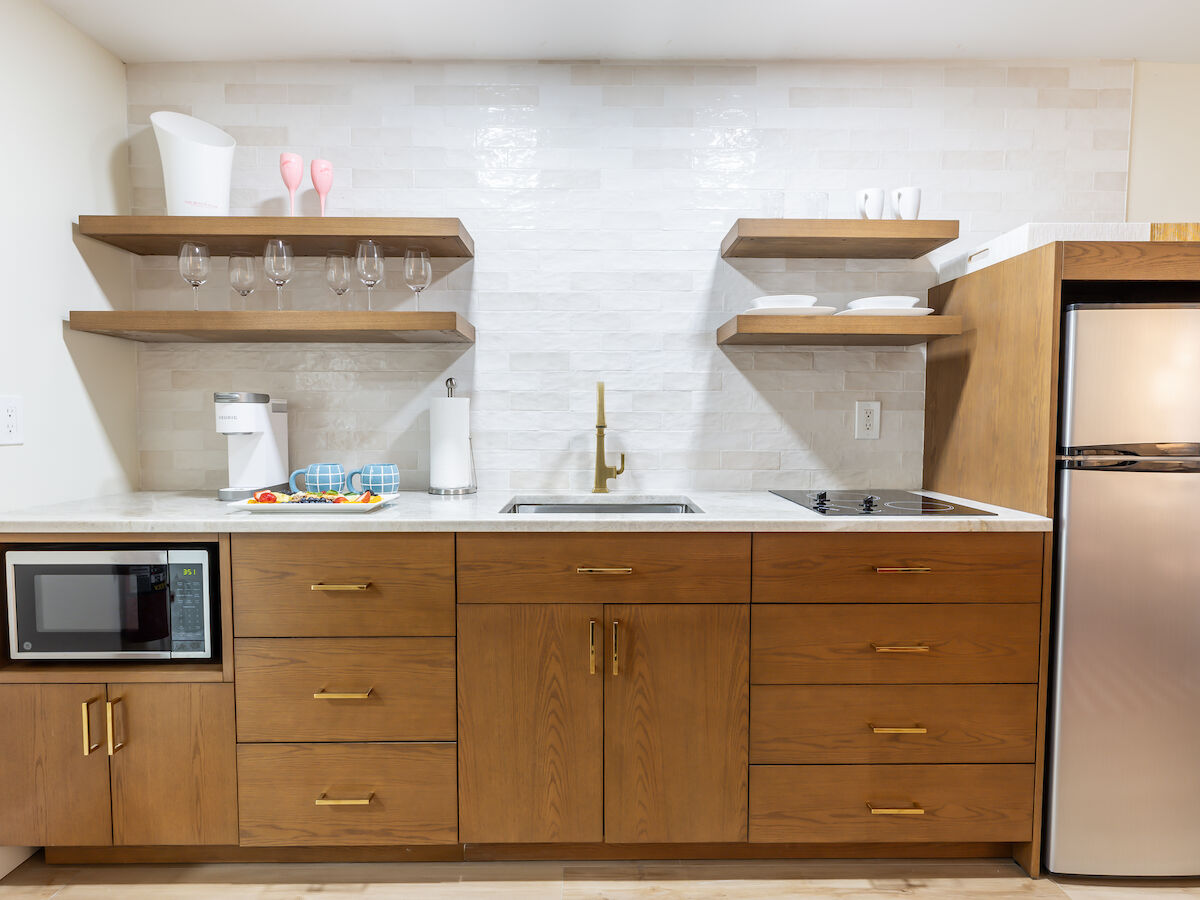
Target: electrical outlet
<point x="866" y="420"/>
<point x="12" y="429"/>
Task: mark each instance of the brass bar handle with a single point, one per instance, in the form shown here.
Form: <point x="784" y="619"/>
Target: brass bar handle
<point x="615" y="657"/>
<point x="913" y="810"/>
<point x="113" y="744"/>
<point x="352" y="801"/>
<point x="902" y="570"/>
<point x="88" y="747"/>
<point x="591" y="646"/>
<point x="900" y="648"/>
<point x="343" y="695"/>
<point x="898" y="729"/>
<point x="340" y="587"/>
<point x="604" y="570"/>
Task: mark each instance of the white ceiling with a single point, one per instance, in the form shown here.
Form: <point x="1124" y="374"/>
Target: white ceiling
<point x="173" y="30"/>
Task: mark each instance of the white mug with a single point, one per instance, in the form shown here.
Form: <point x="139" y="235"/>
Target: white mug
<point x="869" y="202"/>
<point x="906" y="202"/>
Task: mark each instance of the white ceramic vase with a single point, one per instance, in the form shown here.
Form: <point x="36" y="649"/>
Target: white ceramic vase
<point x="197" y="164"/>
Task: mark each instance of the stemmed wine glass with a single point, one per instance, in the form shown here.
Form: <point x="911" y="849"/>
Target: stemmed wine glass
<point x="337" y="272"/>
<point x="241" y="274"/>
<point x="193" y="266"/>
<point x="370" y="264"/>
<point x="417" y="271"/>
<point x="277" y="263"/>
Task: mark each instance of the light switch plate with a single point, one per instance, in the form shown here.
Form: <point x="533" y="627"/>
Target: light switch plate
<point x="12" y="427"/>
<point x="866" y="420"/>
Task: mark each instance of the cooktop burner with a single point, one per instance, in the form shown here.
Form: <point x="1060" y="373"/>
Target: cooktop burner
<point x="877" y="503"/>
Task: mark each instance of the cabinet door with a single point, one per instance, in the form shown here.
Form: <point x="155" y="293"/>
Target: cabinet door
<point x="174" y="766"/>
<point x="530" y="723"/>
<point x="676" y="723"/>
<point x="55" y="793"/>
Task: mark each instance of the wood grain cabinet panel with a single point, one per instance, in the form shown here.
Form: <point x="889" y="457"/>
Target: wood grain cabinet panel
<point x="897" y="643"/>
<point x="603" y="566"/>
<point x="834" y="803"/>
<point x="531" y="729"/>
<point x="174" y="780"/>
<point x="858" y="568"/>
<point x="408" y="578"/>
<point x="322" y="795"/>
<point x="391" y="689"/>
<point x="892" y="723"/>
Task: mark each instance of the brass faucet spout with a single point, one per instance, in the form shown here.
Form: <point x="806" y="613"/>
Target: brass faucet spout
<point x="603" y="471"/>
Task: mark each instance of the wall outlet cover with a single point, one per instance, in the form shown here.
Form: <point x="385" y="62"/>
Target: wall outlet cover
<point x="866" y="420"/>
<point x="12" y="416"/>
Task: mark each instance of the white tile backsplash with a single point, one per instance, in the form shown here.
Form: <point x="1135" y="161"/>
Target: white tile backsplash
<point x="598" y="195"/>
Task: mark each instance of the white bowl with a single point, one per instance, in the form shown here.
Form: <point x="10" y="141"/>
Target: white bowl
<point x="795" y="300"/>
<point x="889" y="302"/>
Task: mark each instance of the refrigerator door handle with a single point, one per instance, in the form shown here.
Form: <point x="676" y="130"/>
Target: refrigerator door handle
<point x="1174" y="448"/>
<point x="1129" y="464"/>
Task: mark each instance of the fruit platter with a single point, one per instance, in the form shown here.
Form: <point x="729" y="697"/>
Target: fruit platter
<point x="309" y="502"/>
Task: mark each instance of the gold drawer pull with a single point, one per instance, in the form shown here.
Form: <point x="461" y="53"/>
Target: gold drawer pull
<point x="913" y="810"/>
<point x="900" y="648"/>
<point x="902" y="570"/>
<point x="591" y="646"/>
<point x="615" y="655"/>
<point x="88" y="747"/>
<point x="602" y="570"/>
<point x="113" y="744"/>
<point x="333" y="695"/>
<point x="341" y="587"/>
<point x="352" y="801"/>
<point x="898" y="729"/>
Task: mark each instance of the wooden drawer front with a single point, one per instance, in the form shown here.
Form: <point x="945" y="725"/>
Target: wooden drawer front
<point x="858" y="568"/>
<point x="829" y="804"/>
<point x="409" y="582"/>
<point x="600" y="567"/>
<point x="880" y="643"/>
<point x="411" y="788"/>
<point x="923" y="723"/>
<point x="411" y="684"/>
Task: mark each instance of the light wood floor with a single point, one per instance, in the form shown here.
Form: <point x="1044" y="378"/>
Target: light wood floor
<point x="691" y="880"/>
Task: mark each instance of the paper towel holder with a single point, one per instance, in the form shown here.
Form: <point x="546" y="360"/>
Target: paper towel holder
<point x="473" y="486"/>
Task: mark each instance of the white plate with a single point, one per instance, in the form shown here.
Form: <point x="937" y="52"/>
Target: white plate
<point x="791" y="311"/>
<point x="919" y="311"/>
<point x="334" y="508"/>
<point x="889" y="302"/>
<point x="784" y="300"/>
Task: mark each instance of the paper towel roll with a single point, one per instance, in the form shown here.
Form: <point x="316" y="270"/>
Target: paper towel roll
<point x="450" y="443"/>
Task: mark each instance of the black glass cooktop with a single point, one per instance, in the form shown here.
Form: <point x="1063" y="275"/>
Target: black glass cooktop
<point x="878" y="503"/>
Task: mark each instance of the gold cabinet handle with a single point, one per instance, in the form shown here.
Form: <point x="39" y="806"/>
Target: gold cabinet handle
<point x="900" y="648"/>
<point x="340" y="587"/>
<point x="902" y="570"/>
<point x="615" y="657"/>
<point x="898" y="729"/>
<point x="604" y="570"/>
<point x="88" y="747"/>
<point x="347" y="695"/>
<point x="351" y="801"/>
<point x="113" y="744"/>
<point x="591" y="646"/>
<point x="913" y="810"/>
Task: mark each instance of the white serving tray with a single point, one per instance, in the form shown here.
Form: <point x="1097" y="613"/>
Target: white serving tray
<point x="340" y="509"/>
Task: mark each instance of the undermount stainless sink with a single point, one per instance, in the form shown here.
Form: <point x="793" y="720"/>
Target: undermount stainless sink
<point x="582" y="506"/>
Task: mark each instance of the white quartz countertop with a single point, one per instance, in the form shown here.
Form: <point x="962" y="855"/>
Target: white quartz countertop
<point x="165" y="512"/>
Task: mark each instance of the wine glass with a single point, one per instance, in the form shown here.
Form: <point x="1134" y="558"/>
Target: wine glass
<point x="241" y="274"/>
<point x="337" y="272"/>
<point x="417" y="271"/>
<point x="291" y="167"/>
<point x="370" y="262"/>
<point x="277" y="263"/>
<point x="193" y="266"/>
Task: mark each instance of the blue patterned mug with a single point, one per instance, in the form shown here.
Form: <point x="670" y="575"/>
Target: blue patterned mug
<point x="378" y="478"/>
<point x="320" y="477"/>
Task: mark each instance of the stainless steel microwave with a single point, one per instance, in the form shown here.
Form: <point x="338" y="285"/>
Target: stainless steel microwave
<point x="123" y="604"/>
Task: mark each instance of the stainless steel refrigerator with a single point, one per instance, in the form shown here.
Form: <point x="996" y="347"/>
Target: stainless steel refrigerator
<point x="1124" y="766"/>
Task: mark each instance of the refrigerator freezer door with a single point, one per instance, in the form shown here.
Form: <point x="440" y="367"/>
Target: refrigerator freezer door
<point x="1131" y="375"/>
<point x="1124" y="795"/>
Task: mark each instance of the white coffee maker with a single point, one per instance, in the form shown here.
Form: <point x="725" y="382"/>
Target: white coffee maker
<point x="256" y="427"/>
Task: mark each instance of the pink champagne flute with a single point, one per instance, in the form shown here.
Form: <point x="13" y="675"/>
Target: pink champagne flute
<point x="322" y="179"/>
<point x="291" y="167"/>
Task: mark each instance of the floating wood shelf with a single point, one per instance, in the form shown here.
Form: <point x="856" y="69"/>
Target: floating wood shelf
<point x="327" y="326"/>
<point x="22" y="672"/>
<point x="848" y="330"/>
<point x="837" y="238"/>
<point x="308" y="235"/>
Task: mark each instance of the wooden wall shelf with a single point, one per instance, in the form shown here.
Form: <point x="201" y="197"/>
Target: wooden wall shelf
<point x="272" y="326"/>
<point x="836" y="238"/>
<point x="846" y="330"/>
<point x="308" y="235"/>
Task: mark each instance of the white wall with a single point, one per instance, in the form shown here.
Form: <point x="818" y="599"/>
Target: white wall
<point x="63" y="153"/>
<point x="1163" y="181"/>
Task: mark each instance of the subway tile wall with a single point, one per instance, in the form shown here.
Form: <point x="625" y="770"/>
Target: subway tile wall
<point x="598" y="196"/>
